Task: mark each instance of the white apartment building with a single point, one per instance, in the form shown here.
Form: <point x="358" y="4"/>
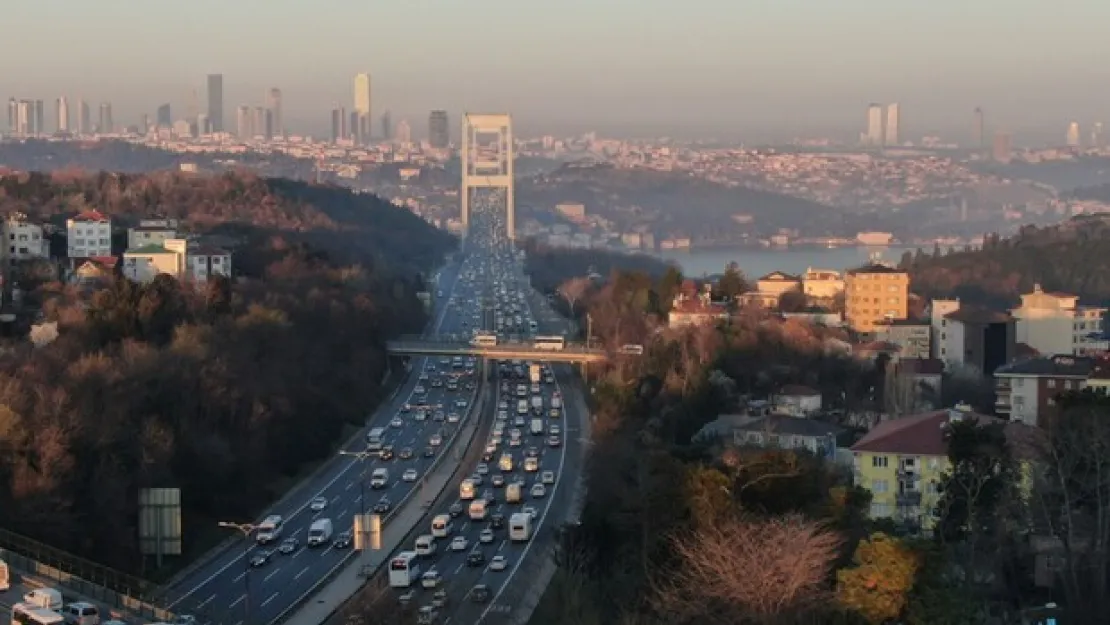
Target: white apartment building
<point x="25" y="240"/>
<point x="1055" y="323"/>
<point x="178" y="258"/>
<point x="89" y="235"/>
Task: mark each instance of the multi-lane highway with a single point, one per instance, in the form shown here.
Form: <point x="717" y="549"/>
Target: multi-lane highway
<point x="217" y="591"/>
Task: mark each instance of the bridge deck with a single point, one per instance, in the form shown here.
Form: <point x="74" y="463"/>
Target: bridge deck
<point x="432" y="347"/>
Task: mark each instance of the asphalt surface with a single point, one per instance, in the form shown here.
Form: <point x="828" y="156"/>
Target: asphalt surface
<point x="458" y="578"/>
<point x="217" y="591"/>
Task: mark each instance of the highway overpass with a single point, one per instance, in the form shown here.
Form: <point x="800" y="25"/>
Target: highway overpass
<point x="421" y="346"/>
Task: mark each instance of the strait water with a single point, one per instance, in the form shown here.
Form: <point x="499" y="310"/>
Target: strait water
<point x="759" y="262"/>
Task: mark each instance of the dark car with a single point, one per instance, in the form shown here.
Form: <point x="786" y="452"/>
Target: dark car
<point x="383" y="506"/>
<point x="475" y="558"/>
<point x="497" y="521"/>
<point x="487" y="456"/>
<point x="386" y="453"/>
<point x="480" y="594"/>
<point x="342" y="541"/>
<point x="532" y="452"/>
<point x="429" y="452"/>
<point x="261" y="558"/>
<point x="455" y="510"/>
<point x="405" y="454"/>
<point x="289" y="545"/>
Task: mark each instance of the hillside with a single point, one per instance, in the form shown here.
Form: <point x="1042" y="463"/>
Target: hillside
<point x="1073" y="257"/>
<point x="677" y="204"/>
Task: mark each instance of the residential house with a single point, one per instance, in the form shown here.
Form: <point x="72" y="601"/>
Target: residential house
<point x="1055" y="323"/>
<point x="1026" y="390"/>
<point x="873" y="294"/>
<point x="94" y="273"/>
<point x="1099" y="379"/>
<point x="911" y="336"/>
<point x="89" y="235"/>
<point x="785" y="432"/>
<point x="691" y="307"/>
<point x="152" y="234"/>
<point x="822" y="286"/>
<point x="177" y="258"/>
<point x="25" y="240"/>
<point x="972" y="338"/>
<point x="776" y="283"/>
<point x="797" y="401"/>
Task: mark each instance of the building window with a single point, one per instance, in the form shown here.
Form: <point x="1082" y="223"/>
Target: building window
<point x="878" y="462"/>
<point x="879" y="486"/>
<point x="1052" y="383"/>
<point x="1019" y="382"/>
<point x="880" y="510"/>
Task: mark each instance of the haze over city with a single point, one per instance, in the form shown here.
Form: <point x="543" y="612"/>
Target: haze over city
<point x="757" y="71"/>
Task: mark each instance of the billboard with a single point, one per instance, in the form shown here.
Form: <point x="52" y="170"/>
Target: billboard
<point x="160" y="521"/>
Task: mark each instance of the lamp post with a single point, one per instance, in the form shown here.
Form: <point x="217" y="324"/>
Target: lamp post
<point x="361" y="456"/>
<point x="246" y="529"/>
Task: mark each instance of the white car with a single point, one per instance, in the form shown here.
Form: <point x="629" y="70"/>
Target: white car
<point x="459" y="543"/>
<point x="553" y="429"/>
<point x="547" y="477"/>
<point x="436" y="440"/>
<point x="483" y="469"/>
<point x="397" y="422"/>
<point x="498" y="563"/>
<point x="539" y="491"/>
<point x="409" y="475"/>
<point x="318" y="504"/>
<point x="486" y="536"/>
<point x="529" y="510"/>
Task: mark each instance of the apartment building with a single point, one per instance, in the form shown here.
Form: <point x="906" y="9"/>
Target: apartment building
<point x="1055" y="323"/>
<point x="971" y="338"/>
<point x="822" y="285"/>
<point x="25" y="240"/>
<point x="151" y="232"/>
<point x="912" y="337"/>
<point x="178" y="258"/>
<point x="89" y="235"/>
<point x="691" y="307"/>
<point x="1026" y="391"/>
<point x="875" y="294"/>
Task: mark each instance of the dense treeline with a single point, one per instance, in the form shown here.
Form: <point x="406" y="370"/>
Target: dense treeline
<point x="1073" y="257"/>
<point x="548" y="267"/>
<point x="224" y="390"/>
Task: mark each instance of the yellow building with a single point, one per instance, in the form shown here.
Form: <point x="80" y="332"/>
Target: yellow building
<point x="143" y="264"/>
<point x="822" y="284"/>
<point x="875" y="294"/>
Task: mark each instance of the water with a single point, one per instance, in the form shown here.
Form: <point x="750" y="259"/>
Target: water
<point x="760" y="262"/>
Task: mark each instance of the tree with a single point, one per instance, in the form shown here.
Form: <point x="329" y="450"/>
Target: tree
<point x="878" y="585"/>
<point x="792" y="301"/>
<point x="732" y="282"/>
<point x="747" y="570"/>
<point x="574" y="290"/>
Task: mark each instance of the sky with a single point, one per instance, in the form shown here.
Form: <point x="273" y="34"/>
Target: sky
<point x="750" y="69"/>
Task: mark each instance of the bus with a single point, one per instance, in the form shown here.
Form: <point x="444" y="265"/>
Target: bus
<point x="484" y="339"/>
<point x="550" y="343"/>
<point x="374" y="439"/>
<point x="403" y="569"/>
<point x="505" y="463"/>
<point x="466" y="489"/>
<point x="27" y="614"/>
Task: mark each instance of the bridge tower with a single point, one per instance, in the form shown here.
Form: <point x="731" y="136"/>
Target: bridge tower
<point x="487" y="162"/>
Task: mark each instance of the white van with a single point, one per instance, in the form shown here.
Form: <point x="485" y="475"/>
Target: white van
<point x="81" y="613"/>
<point x="319" y="533"/>
<point x="425" y="545"/>
<point x="379" y="478"/>
<point x="441" y="525"/>
<point x="49" y="598"/>
<point x="556" y="402"/>
<point x="269" y="529"/>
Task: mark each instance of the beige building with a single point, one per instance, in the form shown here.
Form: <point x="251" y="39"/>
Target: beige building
<point x="875" y="294"/>
<point x="776" y="283"/>
<point x="822" y="285"/>
<point x="1055" y="323"/>
<point x="177" y="258"/>
<point x="912" y="337"/>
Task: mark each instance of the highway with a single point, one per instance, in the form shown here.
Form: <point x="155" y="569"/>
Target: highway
<point x="217" y="591"/>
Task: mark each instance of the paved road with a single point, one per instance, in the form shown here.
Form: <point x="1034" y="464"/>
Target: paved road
<point x="217" y="591"/>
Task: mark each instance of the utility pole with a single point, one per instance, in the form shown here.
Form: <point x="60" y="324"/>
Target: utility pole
<point x="246" y="529"/>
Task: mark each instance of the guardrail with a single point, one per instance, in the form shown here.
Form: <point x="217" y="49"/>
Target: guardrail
<point x="475" y="412"/>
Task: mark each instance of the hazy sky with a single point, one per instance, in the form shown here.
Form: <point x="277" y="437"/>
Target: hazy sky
<point x="750" y="68"/>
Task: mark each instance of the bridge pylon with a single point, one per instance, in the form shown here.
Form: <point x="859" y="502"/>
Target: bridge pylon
<point x="486" y="160"/>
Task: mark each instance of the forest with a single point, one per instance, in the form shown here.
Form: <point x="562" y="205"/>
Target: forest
<point x="678" y="529"/>
<point x="1073" y="257"/>
<point x="225" y="390"/>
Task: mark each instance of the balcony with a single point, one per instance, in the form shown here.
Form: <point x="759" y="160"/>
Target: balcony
<point x="908" y="498"/>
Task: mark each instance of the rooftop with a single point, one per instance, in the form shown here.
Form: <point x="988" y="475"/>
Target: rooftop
<point x="780" y="276"/>
<point x="153" y="248"/>
<point x="1061" y="365"/>
<point x="916" y="435"/>
<point x="875" y="268"/>
<point x="978" y="316"/>
<point x="792" y="426"/>
<point x="91" y="215"/>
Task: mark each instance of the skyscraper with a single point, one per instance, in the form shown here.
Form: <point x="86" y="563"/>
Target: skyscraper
<point x="978" y="129"/>
<point x="164" y="116"/>
<point x="24" y="117"/>
<point x="874" y="135"/>
<point x="13" y="115"/>
<point x="1072" y="135"/>
<point x="84" y="118"/>
<point x="216" y="102"/>
<point x="106" y="123"/>
<point x="336" y="124"/>
<point x="362" y="106"/>
<point x="258" y="122"/>
<point x="892" y="124"/>
<point x="62" y="110"/>
<point x="277" y="126"/>
<point x="1098" y="139"/>
<point x="387" y="126"/>
<point x="1002" y="147"/>
<point x="438" y="133"/>
<point x="404" y="132"/>
<point x="355" y="126"/>
<point x="40" y="118"/>
<point x="243" y="122"/>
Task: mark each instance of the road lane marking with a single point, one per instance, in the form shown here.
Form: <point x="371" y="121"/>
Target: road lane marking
<point x="238" y="601"/>
<point x="298" y="552"/>
<point x="302" y="572"/>
<point x="272" y="573"/>
<point x="206" y="601"/>
<point x="458" y="570"/>
<point x="349" y="485"/>
<point x="240" y="576"/>
<point x="342" y="513"/>
<point x="269" y="599"/>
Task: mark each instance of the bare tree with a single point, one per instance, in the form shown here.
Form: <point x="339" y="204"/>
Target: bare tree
<point x="756" y="571"/>
<point x="375" y="604"/>
<point x="574" y="290"/>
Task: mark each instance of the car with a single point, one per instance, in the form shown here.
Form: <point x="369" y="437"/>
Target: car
<point x="455" y="510"/>
<point x="318" y="504"/>
<point x="480" y="594"/>
<point x="405" y="453"/>
<point x="386" y="452"/>
<point x="518" y="421"/>
<point x="554" y="440"/>
<point x="261" y="558"/>
<point x="498" y="563"/>
<point x="502" y="405"/>
<point x="489" y="496"/>
<point x="420" y="390"/>
<point x="453" y="417"/>
<point x="497" y="480"/>
<point x="495" y="440"/>
<point x="462" y="404"/>
<point x="475" y="557"/>
<point x="486" y="536"/>
<point x="482" y="469"/>
<point x="529" y="510"/>
<point x="397" y="422"/>
<point x="514" y="442"/>
<point x="436" y="440"/>
<point x="383" y="506"/>
<point x="547" y="477"/>
<point x="439" y="416"/>
<point x="532" y="452"/>
<point x="497" y="521"/>
<point x="343" y="540"/>
<point x="410" y="475"/>
<point x="538" y="491"/>
<point x="554" y="429"/>
<point x="553" y="413"/>
<point x="429" y="452"/>
<point x="406" y="408"/>
<point x="289" y="545"/>
<point x="477" y="479"/>
<point x="459" y="543"/>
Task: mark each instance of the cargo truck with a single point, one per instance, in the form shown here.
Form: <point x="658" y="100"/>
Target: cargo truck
<point x="478" y="510"/>
<point x="520" y="527"/>
<point x="512" y="493"/>
<point x="535" y="374"/>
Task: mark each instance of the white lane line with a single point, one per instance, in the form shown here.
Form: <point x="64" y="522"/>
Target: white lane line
<point x="272" y="573"/>
<point x="269" y="599"/>
<point x="459" y="570"/>
<point x="342" y="513"/>
<point x="239" y="577"/>
<point x="349" y="485"/>
<point x="206" y="601"/>
<point x="302" y="572"/>
<point x="238" y="601"/>
<point x="298" y="552"/>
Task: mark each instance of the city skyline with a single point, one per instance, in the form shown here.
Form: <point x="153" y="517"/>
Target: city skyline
<point x="609" y="80"/>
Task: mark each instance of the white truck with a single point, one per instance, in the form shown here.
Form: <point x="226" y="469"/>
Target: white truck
<point x="537" y="427"/>
<point x="535" y="374"/>
<point x="319" y="533"/>
<point x="520" y="527"/>
<point x="478" y="510"/>
<point x="466" y="489"/>
<point x="537" y="404"/>
<point x="512" y="493"/>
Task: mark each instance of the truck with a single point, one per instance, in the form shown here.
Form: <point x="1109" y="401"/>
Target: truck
<point x="319" y="533"/>
<point x="537" y="427"/>
<point x="5" y="577"/>
<point x="478" y="510"/>
<point x="535" y="373"/>
<point x="374" y="439"/>
<point x="505" y="463"/>
<point x="520" y="527"/>
<point x="522" y="407"/>
<point x="512" y="493"/>
<point x="537" y="405"/>
<point x="484" y="339"/>
<point x="466" y="489"/>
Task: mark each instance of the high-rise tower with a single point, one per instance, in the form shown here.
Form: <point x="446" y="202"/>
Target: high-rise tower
<point x="274" y="103"/>
<point x="362" y="106"/>
<point x="164" y="116"/>
<point x="893" y="125"/>
<point x="106" y="123"/>
<point x="216" y="102"/>
<point x="874" y="135"/>
<point x="438" y="131"/>
<point x="84" y="118"/>
<point x="62" y="110"/>
<point x="387" y="126"/>
<point x="1072" y="135"/>
<point x="978" y="129"/>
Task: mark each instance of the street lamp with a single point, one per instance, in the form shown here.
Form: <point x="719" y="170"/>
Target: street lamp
<point x="246" y="529"/>
<point x="361" y="456"/>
